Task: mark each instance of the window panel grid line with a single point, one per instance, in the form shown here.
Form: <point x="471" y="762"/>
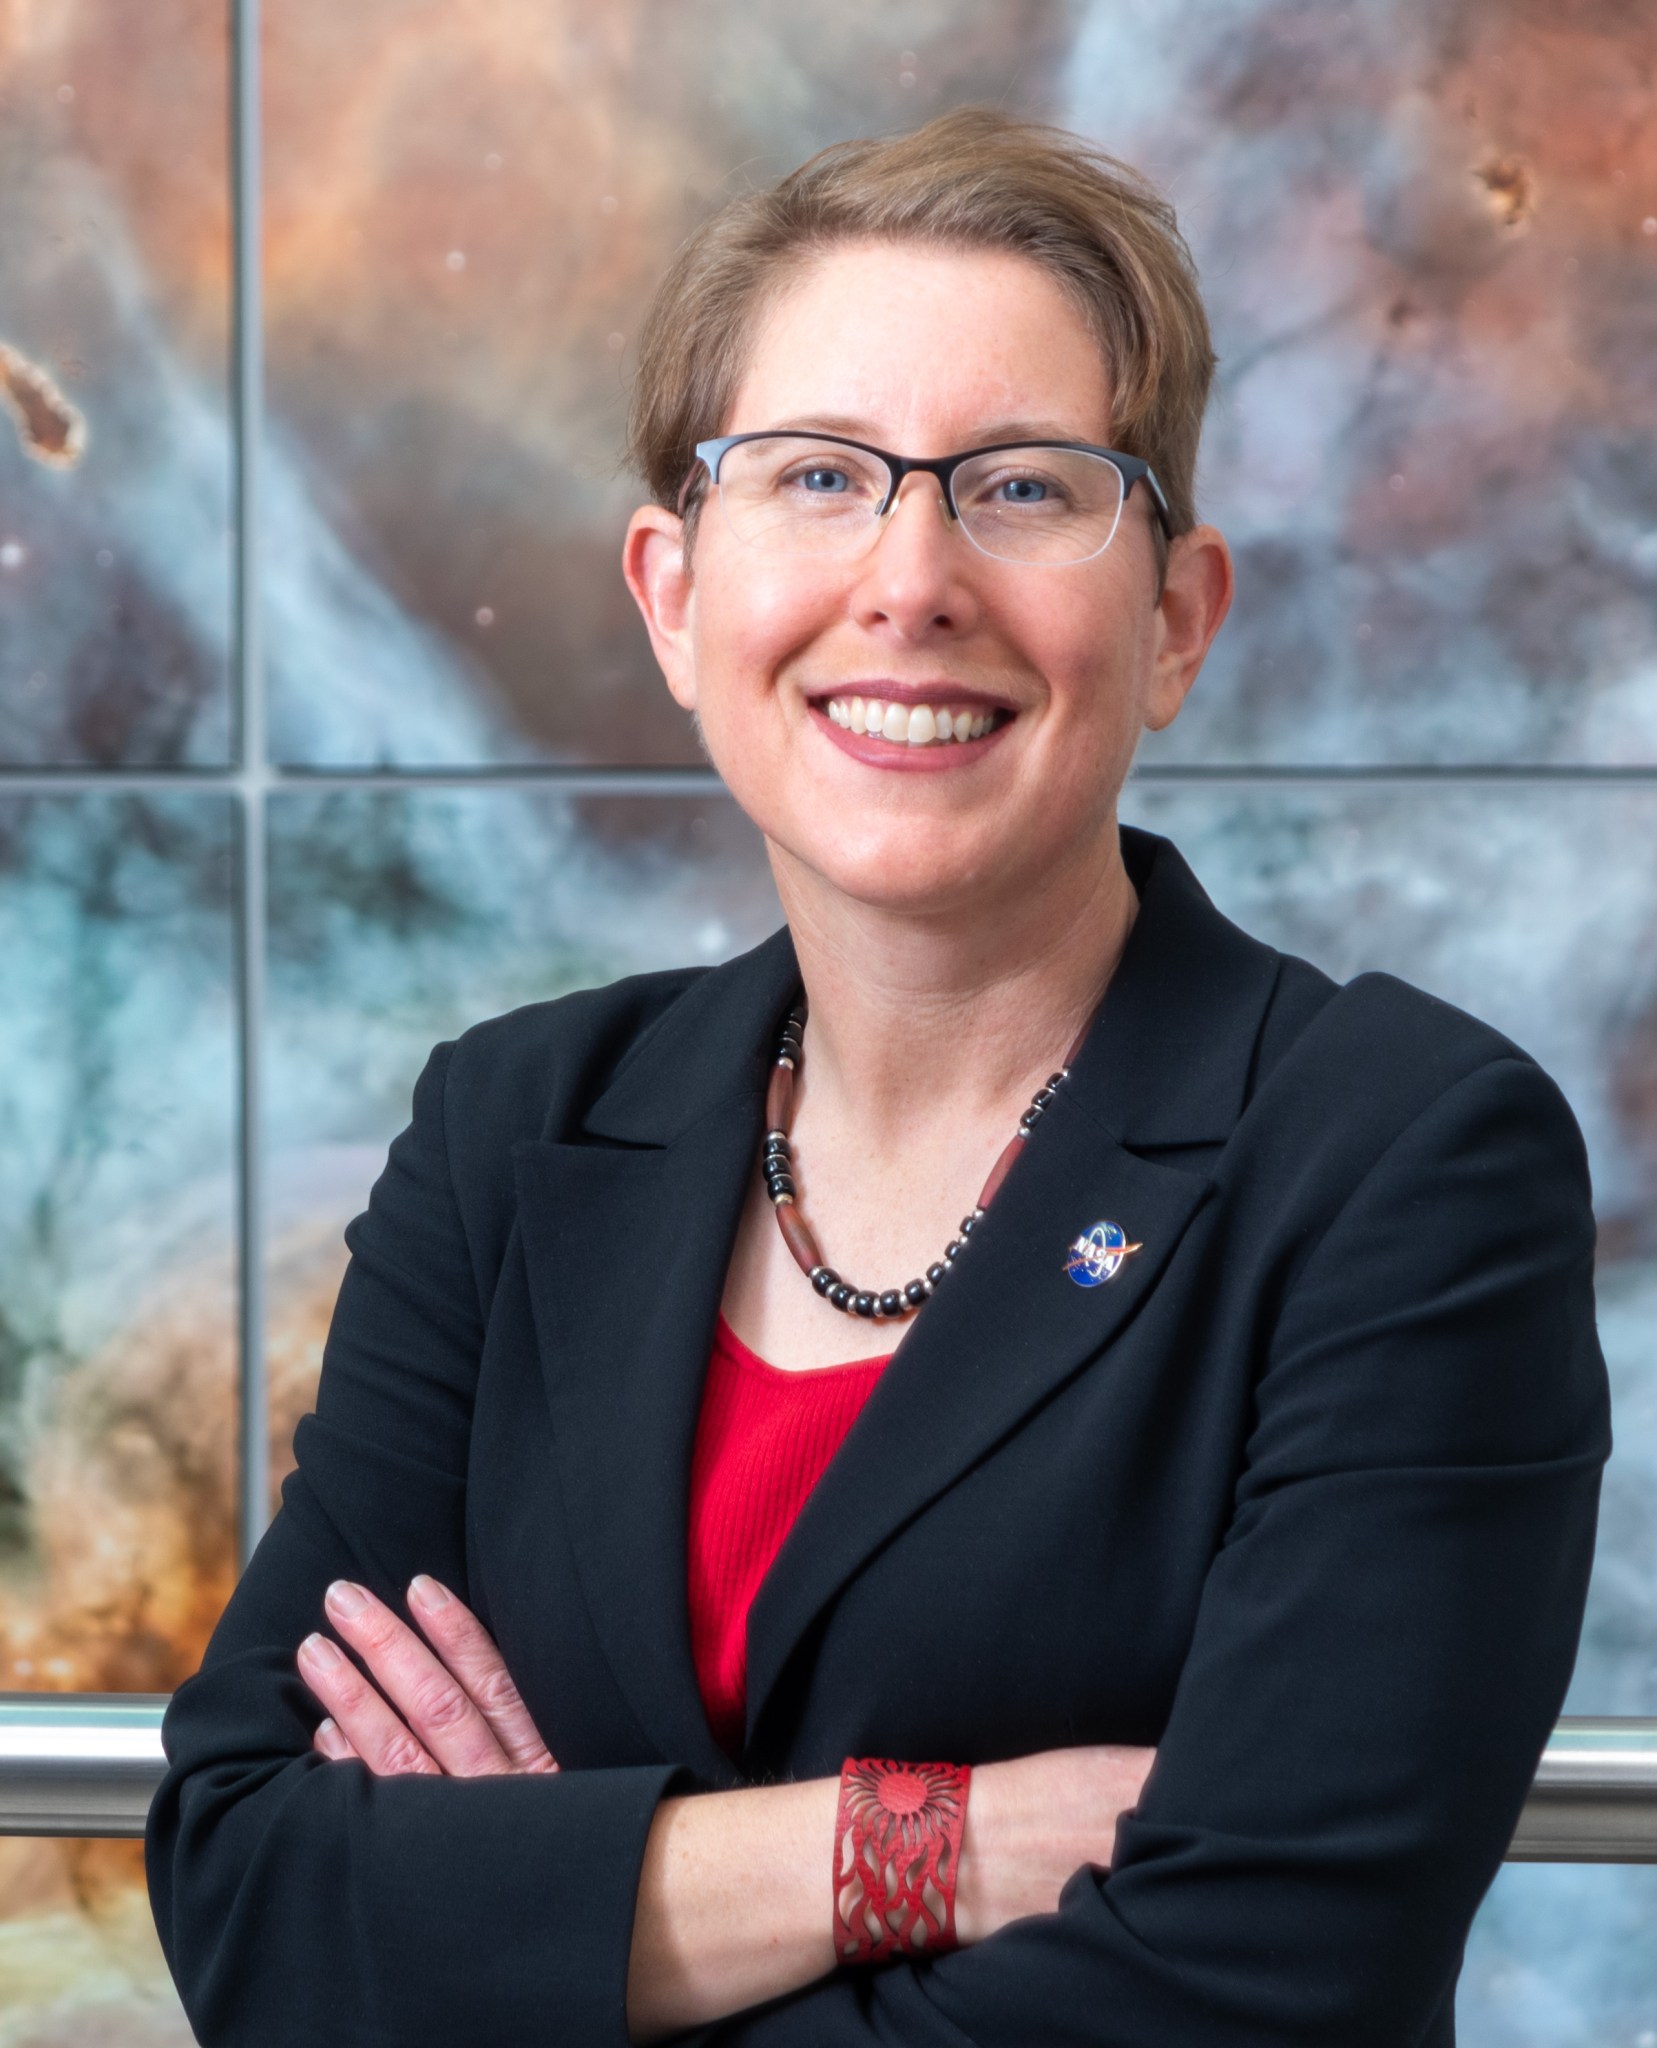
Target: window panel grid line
<point x="252" y="776"/>
<point x="585" y="781"/>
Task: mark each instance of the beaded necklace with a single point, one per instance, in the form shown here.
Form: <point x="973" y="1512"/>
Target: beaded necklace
<point x="777" y="1166"/>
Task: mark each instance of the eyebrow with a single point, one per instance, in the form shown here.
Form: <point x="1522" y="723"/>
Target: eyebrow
<point x="986" y="437"/>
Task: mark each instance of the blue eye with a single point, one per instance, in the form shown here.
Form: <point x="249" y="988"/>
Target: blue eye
<point x="824" y="482"/>
<point x="1024" y="490"/>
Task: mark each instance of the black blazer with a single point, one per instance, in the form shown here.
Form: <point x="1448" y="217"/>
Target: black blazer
<point x="1305" y="1496"/>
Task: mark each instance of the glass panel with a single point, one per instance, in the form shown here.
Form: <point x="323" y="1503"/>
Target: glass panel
<point x="1433" y="445"/>
<point x="1434" y="448"/>
<point x="117" y="1335"/>
<point x="114" y="442"/>
<point x="400" y="918"/>
<point x="467" y="211"/>
<point x="1560" y="1957"/>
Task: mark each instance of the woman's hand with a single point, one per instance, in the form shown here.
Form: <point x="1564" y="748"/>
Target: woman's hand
<point x="1033" y="1821"/>
<point x="456" y="1713"/>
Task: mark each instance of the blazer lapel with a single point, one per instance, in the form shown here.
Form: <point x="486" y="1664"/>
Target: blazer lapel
<point x="1005" y="1330"/>
<point x="627" y="1227"/>
<point x="627" y="1244"/>
<point x="1166" y="1064"/>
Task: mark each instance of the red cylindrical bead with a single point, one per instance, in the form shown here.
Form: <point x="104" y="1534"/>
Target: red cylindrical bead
<point x="798" y="1237"/>
<point x="1000" y="1170"/>
<point x="779" y="1099"/>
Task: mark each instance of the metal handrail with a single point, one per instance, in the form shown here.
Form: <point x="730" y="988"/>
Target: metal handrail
<point x="79" y="1763"/>
<point x="89" y="1763"/>
<point x="1594" y="1797"/>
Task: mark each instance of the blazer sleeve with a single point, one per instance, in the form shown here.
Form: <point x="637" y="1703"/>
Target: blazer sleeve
<point x="1383" y="1643"/>
<point x="306" y="1902"/>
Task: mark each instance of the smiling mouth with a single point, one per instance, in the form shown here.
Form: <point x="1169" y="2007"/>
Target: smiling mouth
<point x="914" y="725"/>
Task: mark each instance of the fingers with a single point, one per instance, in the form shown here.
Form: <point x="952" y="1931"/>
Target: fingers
<point x="358" y="1715"/>
<point x="331" y="1741"/>
<point x="433" y="1715"/>
<point x="469" y="1651"/>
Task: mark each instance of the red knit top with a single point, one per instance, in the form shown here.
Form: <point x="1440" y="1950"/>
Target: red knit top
<point x="763" y="1438"/>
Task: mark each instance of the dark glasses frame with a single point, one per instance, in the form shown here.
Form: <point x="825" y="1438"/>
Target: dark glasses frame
<point x="710" y="454"/>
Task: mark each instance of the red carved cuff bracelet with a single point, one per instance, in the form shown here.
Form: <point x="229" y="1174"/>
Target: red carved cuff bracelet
<point x="897" y="1852"/>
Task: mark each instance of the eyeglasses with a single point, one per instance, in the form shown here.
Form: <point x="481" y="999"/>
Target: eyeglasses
<point x="1044" y="502"/>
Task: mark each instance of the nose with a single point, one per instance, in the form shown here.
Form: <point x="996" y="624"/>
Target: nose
<point x="915" y="577"/>
<point x="918" y="484"/>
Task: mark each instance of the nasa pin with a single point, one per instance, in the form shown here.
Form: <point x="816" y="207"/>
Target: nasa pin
<point x="1097" y="1255"/>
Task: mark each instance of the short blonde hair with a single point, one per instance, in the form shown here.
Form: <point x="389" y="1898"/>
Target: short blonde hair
<point x="971" y="179"/>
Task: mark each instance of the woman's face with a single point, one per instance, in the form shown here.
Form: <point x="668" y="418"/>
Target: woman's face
<point x="926" y="352"/>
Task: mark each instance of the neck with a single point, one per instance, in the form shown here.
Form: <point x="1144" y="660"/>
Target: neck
<point x="951" y="1016"/>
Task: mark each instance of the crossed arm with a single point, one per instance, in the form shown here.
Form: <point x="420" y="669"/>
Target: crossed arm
<point x="733" y="1900"/>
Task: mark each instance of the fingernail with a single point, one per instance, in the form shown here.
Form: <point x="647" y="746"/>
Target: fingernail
<point x="342" y="1597"/>
<point x="319" y="1650"/>
<point x="428" y="1592"/>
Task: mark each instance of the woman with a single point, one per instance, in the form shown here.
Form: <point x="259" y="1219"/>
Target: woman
<point x="664" y="1462"/>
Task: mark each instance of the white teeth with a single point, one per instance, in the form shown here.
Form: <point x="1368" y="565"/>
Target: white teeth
<point x="915" y="725"/>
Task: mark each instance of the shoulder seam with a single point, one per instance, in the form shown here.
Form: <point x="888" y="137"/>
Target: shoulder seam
<point x="447" y="1049"/>
<point x="1515" y="1058"/>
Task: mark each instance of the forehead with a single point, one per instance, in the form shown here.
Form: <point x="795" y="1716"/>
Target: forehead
<point x="925" y="349"/>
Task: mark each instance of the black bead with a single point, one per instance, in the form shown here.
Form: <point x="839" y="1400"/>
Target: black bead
<point x="863" y="1304"/>
<point x="825" y="1279"/>
<point x="915" y="1293"/>
<point x="1026" y="1124"/>
<point x="1043" y="1097"/>
<point x="1055" y="1080"/>
<point x="936" y="1272"/>
<point x="891" y="1303"/>
<point x="953" y="1250"/>
<point x="968" y="1223"/>
<point x="780" y="1184"/>
<point x="840" y="1295"/>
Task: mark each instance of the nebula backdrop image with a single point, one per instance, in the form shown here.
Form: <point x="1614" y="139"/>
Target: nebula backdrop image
<point x="1426" y="740"/>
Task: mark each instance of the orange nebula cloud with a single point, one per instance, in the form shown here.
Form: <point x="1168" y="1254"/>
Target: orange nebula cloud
<point x="49" y="427"/>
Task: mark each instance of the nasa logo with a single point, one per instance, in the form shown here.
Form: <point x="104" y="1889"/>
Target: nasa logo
<point x="1097" y="1255"/>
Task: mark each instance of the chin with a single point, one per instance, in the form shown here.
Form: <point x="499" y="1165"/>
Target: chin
<point x="892" y="876"/>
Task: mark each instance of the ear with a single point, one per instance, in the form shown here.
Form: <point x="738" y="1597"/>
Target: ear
<point x="1196" y="595"/>
<point x="653" y="562"/>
